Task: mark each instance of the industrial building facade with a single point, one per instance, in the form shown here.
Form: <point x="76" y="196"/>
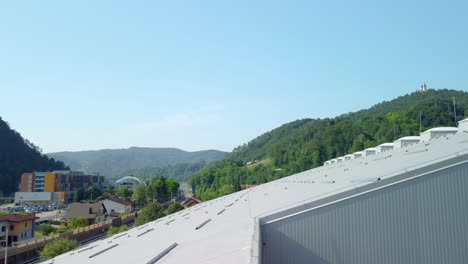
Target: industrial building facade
<point x="419" y="220"/>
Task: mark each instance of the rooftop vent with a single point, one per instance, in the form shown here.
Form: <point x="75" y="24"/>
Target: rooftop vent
<point x="368" y="152"/>
<point x="220" y="212"/>
<point x="357" y="154"/>
<point x="406" y="141"/>
<point x="168" y="222"/>
<point x="141" y="227"/>
<point x="87" y="248"/>
<point x="104" y="250"/>
<point x="162" y="254"/>
<point x="384" y="147"/>
<point x="124" y="234"/>
<point x="437" y="132"/>
<point x="146" y="232"/>
<point x="202" y="224"/>
<point x="463" y="125"/>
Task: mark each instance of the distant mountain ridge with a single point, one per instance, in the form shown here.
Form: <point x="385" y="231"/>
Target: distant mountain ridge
<point x="117" y="162"/>
<point x="19" y="155"/>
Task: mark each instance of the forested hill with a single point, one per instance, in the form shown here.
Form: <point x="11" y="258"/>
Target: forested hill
<point x="18" y="155"/>
<point x="137" y="161"/>
<point x="307" y="143"/>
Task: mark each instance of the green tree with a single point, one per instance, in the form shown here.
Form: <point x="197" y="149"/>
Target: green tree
<point x="112" y="230"/>
<point x="123" y="228"/>
<point x="124" y="192"/>
<point x="110" y="190"/>
<point x="157" y="189"/>
<point x="162" y="194"/>
<point x="150" y="212"/>
<point x="116" y="229"/>
<point x="172" y="187"/>
<point x="46" y="229"/>
<point x="57" y="247"/>
<point x="93" y="193"/>
<point x="77" y="222"/>
<point x="78" y="195"/>
<point x="139" y="195"/>
<point x="173" y="208"/>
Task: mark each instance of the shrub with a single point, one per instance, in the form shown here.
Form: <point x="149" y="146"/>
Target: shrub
<point x="57" y="247"/>
<point x="77" y="222"/>
<point x="175" y="207"/>
<point x="46" y="229"/>
<point x="112" y="230"/>
<point x="115" y="230"/>
<point x="150" y="212"/>
<point x="123" y="228"/>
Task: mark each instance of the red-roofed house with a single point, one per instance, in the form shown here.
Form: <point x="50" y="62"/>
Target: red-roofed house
<point x="20" y="227"/>
<point x="191" y="202"/>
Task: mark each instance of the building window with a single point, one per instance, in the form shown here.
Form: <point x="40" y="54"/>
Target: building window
<point x="12" y="227"/>
<point x="26" y="224"/>
<point x="3" y="228"/>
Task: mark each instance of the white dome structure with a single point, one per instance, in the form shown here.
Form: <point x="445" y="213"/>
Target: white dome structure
<point x="130" y="182"/>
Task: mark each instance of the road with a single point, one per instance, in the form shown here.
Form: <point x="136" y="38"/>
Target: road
<point x="51" y="215"/>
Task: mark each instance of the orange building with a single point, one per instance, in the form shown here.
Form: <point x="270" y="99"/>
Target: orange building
<point x="20" y="227"/>
<point x="27" y="182"/>
<point x="50" y="182"/>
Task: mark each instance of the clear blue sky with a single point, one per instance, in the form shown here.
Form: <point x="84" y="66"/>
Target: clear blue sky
<point x="213" y="74"/>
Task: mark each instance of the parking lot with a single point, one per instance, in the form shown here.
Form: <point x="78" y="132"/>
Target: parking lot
<point x="38" y="209"/>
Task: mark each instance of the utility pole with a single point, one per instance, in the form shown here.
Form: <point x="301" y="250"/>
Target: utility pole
<point x="455" y="112"/>
<point x="420" y="122"/>
<point x="6" y="244"/>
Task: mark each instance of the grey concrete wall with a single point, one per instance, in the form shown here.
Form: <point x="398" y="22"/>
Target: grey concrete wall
<point x="422" y="220"/>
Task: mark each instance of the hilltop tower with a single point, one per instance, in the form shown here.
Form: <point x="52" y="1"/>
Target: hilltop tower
<point x="423" y="88"/>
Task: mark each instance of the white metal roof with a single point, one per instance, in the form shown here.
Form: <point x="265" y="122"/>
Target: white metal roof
<point x="386" y="145"/>
<point x="409" y="138"/>
<point x="441" y="129"/>
<point x="229" y="236"/>
<point x="463" y="121"/>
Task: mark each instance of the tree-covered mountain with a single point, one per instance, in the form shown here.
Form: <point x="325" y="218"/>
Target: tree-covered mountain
<point x="19" y="155"/>
<point x="135" y="160"/>
<point x="307" y="143"/>
<point x="179" y="171"/>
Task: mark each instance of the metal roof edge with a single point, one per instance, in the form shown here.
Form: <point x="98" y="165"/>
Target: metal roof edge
<point x="256" y="245"/>
<point x="404" y="175"/>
